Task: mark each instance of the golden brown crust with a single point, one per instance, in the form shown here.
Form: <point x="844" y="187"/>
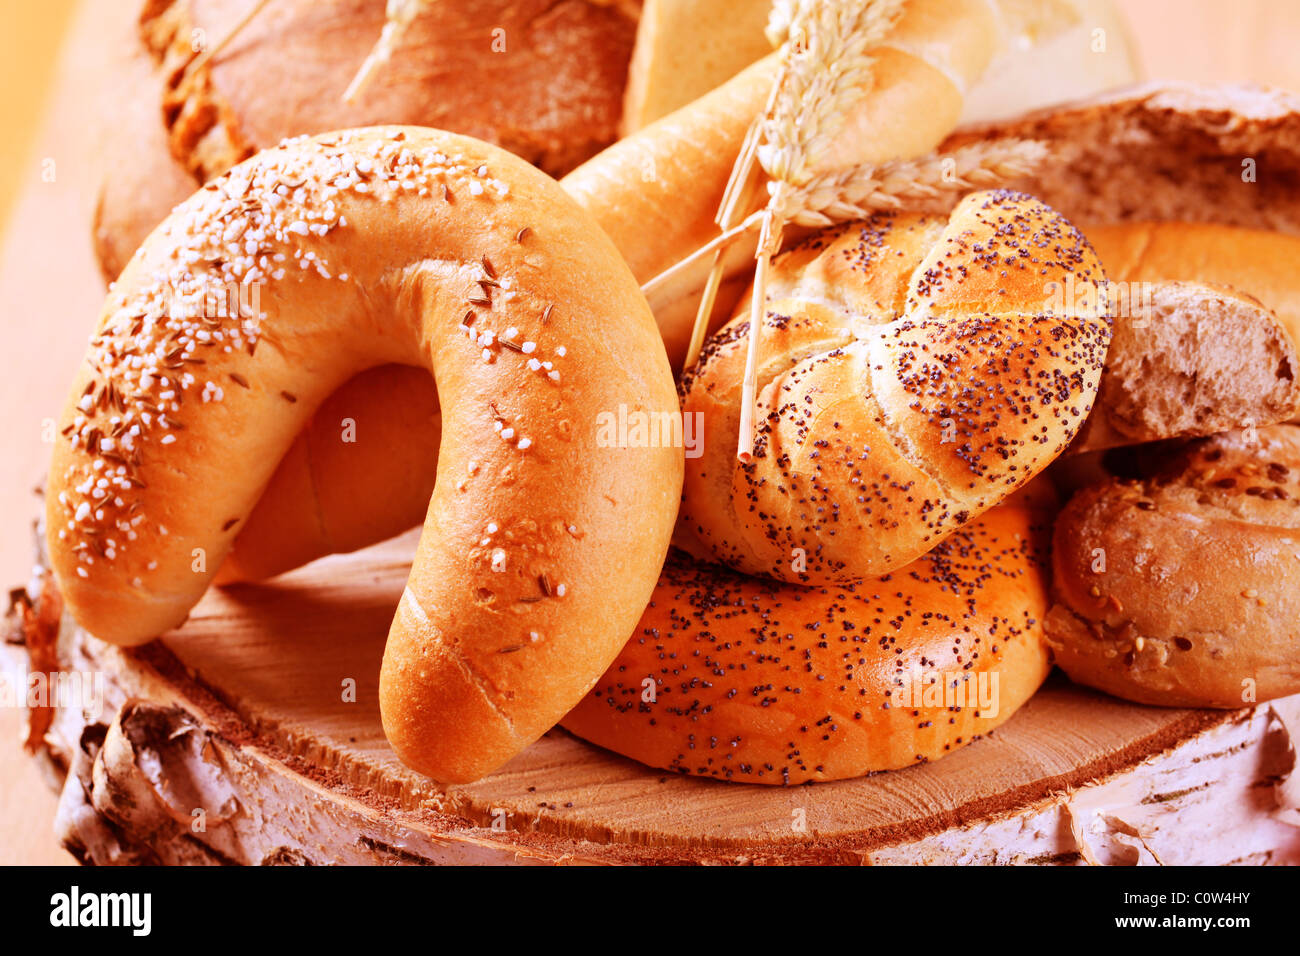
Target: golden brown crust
<point x="753" y="681"/>
<point x="913" y="375"/>
<point x="309" y="509"/>
<point x="391" y="244"/>
<point x="1179" y="589"/>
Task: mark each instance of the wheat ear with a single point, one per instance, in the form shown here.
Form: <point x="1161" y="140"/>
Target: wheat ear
<point x="826" y="71"/>
<point x="929" y="183"/>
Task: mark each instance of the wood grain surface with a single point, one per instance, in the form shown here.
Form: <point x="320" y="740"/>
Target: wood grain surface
<point x="50" y="291"/>
<point x="282" y="653"/>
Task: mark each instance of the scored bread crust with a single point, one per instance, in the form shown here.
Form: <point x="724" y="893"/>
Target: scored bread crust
<point x="913" y="374"/>
<point x="543" y="80"/>
<point x="1179" y="589"/>
<point x="753" y="681"/>
<point x="384" y="245"/>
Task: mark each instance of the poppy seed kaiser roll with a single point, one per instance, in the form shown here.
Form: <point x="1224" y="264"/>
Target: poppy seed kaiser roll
<point x="914" y="372"/>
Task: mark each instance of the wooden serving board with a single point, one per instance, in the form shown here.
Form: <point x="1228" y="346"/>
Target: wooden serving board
<point x="243" y="718"/>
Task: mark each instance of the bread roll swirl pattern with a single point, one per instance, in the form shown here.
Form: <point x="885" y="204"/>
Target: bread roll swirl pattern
<point x="387" y="245"/>
<point x="914" y="373"/>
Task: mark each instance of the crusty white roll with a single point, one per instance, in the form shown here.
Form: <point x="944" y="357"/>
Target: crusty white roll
<point x="754" y="681"/>
<point x="390" y="244"/>
<point x="1180" y="588"/>
<point x="914" y="372"/>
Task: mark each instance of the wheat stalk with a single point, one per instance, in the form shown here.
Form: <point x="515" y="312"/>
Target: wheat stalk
<point x="826" y="71"/>
<point x="931" y="183"/>
<point x="736" y="198"/>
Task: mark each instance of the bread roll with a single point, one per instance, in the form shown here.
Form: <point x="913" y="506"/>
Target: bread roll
<point x="1189" y="360"/>
<point x="752" y="681"/>
<point x="390" y="244"/>
<point x="1179" y="589"/>
<point x="914" y="373"/>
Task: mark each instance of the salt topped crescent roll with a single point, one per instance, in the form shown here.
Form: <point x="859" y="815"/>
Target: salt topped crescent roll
<point x="405" y="245"/>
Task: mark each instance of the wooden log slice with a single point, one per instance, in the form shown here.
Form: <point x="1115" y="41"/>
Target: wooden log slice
<point x="252" y="735"/>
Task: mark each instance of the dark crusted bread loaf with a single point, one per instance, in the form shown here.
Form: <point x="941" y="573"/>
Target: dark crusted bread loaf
<point x="1226" y="154"/>
<point x="542" y="79"/>
<point x="1180" y="588"/>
